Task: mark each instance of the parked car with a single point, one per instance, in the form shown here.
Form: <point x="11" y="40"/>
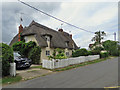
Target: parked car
<point x="21" y="62"/>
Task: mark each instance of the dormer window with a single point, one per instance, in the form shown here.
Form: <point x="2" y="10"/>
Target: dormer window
<point x="67" y="43"/>
<point x="73" y="45"/>
<point x="47" y="38"/>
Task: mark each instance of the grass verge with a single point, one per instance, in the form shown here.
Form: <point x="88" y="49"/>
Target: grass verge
<point x="9" y="79"/>
<point x="40" y="66"/>
<point x="81" y="64"/>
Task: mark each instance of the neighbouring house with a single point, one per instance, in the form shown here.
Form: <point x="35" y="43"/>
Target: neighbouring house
<point x="93" y="46"/>
<point x="47" y="38"/>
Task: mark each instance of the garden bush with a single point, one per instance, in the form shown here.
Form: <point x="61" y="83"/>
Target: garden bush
<point x="104" y="55"/>
<point x="6" y="57"/>
<point x="95" y="52"/>
<point x="23" y="48"/>
<point x="34" y="55"/>
<point x="80" y="52"/>
<point x="58" y="54"/>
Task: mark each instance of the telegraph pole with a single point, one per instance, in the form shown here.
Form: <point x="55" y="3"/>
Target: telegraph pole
<point x="114" y="36"/>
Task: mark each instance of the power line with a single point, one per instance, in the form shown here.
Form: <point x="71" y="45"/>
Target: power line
<point x="55" y="17"/>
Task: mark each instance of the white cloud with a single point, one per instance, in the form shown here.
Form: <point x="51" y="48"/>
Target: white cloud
<point x="91" y="16"/>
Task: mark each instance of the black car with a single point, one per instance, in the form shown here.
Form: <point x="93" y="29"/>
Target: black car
<point x="21" y="62"/>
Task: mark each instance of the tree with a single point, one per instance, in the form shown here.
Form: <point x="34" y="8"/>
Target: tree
<point x="6" y="56"/>
<point x="23" y="48"/>
<point x="28" y="50"/>
<point x="99" y="35"/>
<point x="34" y="55"/>
<point x="111" y="47"/>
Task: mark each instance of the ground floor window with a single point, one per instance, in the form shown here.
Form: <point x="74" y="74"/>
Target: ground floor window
<point x="67" y="53"/>
<point x="47" y="53"/>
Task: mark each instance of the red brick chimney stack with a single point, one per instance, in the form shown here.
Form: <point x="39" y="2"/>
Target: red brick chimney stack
<point x="61" y="30"/>
<point x="20" y="30"/>
<point x="70" y="35"/>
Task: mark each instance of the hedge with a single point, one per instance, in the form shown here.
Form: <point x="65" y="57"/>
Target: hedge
<point x="104" y="55"/>
<point x="34" y="55"/>
<point x="7" y="58"/>
<point x="80" y="52"/>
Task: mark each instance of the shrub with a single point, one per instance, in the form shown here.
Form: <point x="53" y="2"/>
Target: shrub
<point x="34" y="55"/>
<point x="112" y="47"/>
<point x="23" y="48"/>
<point x="80" y="52"/>
<point x="104" y="55"/>
<point x="7" y="58"/>
<point x="58" y="54"/>
<point x="90" y="53"/>
<point x="95" y="52"/>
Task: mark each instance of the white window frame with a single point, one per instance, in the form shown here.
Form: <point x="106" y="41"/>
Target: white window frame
<point x="47" y="53"/>
<point x="67" y="53"/>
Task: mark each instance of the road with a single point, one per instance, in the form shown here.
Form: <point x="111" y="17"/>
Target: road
<point x="99" y="75"/>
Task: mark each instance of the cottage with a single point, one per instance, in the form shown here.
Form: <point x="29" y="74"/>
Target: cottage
<point x="48" y="39"/>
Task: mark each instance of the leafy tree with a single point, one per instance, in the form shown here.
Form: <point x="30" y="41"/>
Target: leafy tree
<point x="111" y="47"/>
<point x="28" y="50"/>
<point x="97" y="50"/>
<point x="6" y="57"/>
<point x="23" y="48"/>
<point x="34" y="55"/>
<point x="99" y="35"/>
<point x="104" y="55"/>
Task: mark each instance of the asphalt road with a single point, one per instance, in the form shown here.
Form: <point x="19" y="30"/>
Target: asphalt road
<point x="97" y="75"/>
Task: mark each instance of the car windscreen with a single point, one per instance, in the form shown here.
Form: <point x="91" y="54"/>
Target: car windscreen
<point x="16" y="55"/>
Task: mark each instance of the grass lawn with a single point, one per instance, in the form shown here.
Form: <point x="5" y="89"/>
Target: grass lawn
<point x="81" y="64"/>
<point x="40" y="66"/>
<point x="9" y="79"/>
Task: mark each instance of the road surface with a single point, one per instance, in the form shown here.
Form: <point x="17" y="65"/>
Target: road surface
<point x="99" y="75"/>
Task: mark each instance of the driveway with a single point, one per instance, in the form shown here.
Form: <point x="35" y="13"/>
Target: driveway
<point x="32" y="72"/>
<point x="99" y="75"/>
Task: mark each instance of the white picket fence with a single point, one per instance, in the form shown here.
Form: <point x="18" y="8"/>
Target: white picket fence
<point x="52" y="64"/>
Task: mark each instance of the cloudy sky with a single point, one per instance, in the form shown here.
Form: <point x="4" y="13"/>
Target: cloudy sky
<point x="92" y="16"/>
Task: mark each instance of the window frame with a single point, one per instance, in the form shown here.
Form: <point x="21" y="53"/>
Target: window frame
<point x="47" y="53"/>
<point x="67" y="53"/>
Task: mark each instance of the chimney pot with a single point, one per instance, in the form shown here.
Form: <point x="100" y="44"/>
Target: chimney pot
<point x="70" y="35"/>
<point x="61" y="30"/>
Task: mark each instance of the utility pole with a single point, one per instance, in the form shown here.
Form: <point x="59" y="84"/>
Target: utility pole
<point x="114" y="36"/>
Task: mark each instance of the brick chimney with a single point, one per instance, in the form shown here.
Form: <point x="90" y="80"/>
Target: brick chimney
<point x="20" y="30"/>
<point x="70" y="35"/>
<point x="61" y="30"/>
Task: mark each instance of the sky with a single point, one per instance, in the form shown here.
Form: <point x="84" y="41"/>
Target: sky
<point x="92" y="16"/>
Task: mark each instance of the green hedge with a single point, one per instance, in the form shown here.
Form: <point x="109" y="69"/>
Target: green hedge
<point x="7" y="58"/>
<point x="104" y="55"/>
<point x="80" y="52"/>
<point x="34" y="55"/>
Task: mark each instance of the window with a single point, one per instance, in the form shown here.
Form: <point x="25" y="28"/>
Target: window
<point x="26" y="39"/>
<point x="67" y="53"/>
<point x="47" y="53"/>
<point x="67" y="44"/>
<point x="47" y="38"/>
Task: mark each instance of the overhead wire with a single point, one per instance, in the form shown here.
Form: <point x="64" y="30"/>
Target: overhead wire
<point x="56" y="18"/>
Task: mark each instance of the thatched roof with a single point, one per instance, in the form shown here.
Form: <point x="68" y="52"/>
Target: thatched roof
<point x="58" y="39"/>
